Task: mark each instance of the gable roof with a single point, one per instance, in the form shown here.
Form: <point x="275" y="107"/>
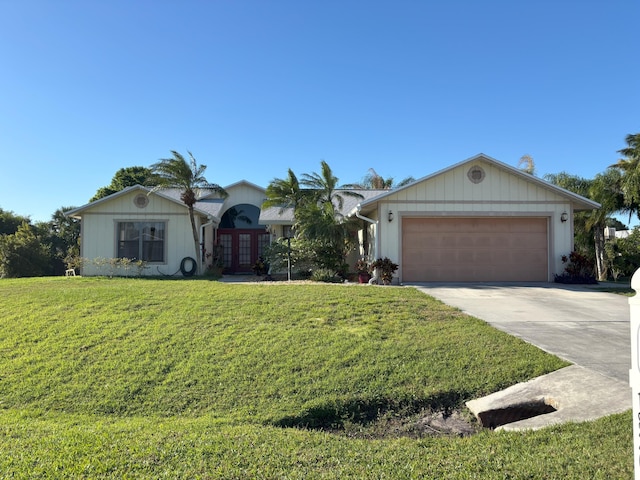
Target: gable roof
<point x="209" y="207"/>
<point x="245" y="183"/>
<point x="580" y="202"/>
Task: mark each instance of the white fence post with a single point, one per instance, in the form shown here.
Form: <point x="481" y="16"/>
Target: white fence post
<point x="634" y="373"/>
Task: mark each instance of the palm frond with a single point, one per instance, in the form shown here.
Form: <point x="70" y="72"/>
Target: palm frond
<point x="187" y="176"/>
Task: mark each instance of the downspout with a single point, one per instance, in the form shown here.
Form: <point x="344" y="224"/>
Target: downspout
<point x="376" y="245"/>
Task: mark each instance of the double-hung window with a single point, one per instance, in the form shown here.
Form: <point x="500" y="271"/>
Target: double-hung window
<point x="142" y="241"/>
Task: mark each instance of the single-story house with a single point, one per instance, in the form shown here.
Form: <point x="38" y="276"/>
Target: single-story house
<point x="479" y="220"/>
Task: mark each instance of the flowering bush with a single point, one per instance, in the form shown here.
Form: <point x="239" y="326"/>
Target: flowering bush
<point x="362" y="266"/>
<point x="386" y="269"/>
<point x="578" y="269"/>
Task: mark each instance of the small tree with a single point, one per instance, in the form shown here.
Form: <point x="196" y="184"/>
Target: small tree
<point x="10" y="222"/>
<point x="629" y="166"/>
<point x="623" y="254"/>
<point x="23" y="255"/>
<point x="61" y="235"/>
<point x="123" y="178"/>
<point x="328" y="239"/>
<point x="297" y="250"/>
<point x="320" y="228"/>
<point x="604" y="189"/>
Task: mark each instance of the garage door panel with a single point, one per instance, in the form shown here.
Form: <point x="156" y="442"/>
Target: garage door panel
<point x="529" y="239"/>
<point x="503" y="241"/>
<point x="483" y="241"/>
<point x="475" y="249"/>
<point x="447" y="239"/>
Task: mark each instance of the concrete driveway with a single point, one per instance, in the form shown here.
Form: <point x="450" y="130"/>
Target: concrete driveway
<point x="577" y="323"/>
<point x="587" y="327"/>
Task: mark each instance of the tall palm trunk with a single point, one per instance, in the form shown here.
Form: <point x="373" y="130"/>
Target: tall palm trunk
<point x="601" y="267"/>
<point x="177" y="173"/>
<point x="196" y="240"/>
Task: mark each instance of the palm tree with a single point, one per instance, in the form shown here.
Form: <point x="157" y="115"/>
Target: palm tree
<point x="630" y="169"/>
<point x="319" y="218"/>
<point x="284" y="193"/>
<point x="604" y="189"/>
<point x="188" y="177"/>
<point x="373" y="181"/>
<point x="317" y="203"/>
<point x="322" y="188"/>
<point x="65" y="233"/>
<point x="527" y="165"/>
<point x="632" y="150"/>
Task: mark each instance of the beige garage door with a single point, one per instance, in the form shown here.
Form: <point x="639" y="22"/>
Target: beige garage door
<point x="474" y="249"/>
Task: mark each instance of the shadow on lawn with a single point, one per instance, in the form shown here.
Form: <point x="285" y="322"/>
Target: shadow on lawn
<point x="441" y="415"/>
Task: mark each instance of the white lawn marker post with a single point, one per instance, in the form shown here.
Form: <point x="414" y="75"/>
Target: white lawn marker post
<point x="634" y="373"/>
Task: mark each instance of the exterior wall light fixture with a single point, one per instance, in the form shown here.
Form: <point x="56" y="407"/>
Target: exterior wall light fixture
<point x="564" y="217"/>
<point x="390" y="216"/>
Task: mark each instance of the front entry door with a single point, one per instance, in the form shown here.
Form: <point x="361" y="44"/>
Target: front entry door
<point x="242" y="238"/>
<point x="241" y="248"/>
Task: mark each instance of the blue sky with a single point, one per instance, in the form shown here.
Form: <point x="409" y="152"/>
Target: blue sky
<point x="252" y="88"/>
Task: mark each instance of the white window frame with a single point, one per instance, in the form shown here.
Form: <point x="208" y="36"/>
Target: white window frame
<point x="140" y="225"/>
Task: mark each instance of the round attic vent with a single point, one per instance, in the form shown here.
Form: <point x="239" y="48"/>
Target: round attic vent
<point x="141" y="200"/>
<point x="476" y="174"/>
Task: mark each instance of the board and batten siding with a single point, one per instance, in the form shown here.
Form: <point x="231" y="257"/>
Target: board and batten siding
<point x="500" y="194"/>
<point x="244" y="193"/>
<point x="99" y="231"/>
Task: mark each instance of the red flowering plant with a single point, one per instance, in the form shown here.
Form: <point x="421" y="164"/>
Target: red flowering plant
<point x="362" y="266"/>
<point x="579" y="268"/>
<point x="386" y="268"/>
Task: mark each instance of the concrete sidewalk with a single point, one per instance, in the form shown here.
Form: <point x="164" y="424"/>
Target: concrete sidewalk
<point x="587" y="327"/>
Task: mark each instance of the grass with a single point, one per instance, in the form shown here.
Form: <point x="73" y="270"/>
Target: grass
<point x="116" y="378"/>
<point x="621" y="286"/>
<point x="624" y="291"/>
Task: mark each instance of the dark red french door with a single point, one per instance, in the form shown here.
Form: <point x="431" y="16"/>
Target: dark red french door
<point x="241" y="248"/>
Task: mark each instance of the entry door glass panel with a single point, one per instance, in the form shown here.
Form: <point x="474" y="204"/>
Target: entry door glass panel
<point x="244" y="249"/>
<point x="241" y="249"/>
<point x="227" y="254"/>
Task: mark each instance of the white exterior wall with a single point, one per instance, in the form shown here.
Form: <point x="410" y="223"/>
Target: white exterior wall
<point x="243" y="193"/>
<point x="99" y="232"/>
<point x="501" y="194"/>
<point x="372" y="234"/>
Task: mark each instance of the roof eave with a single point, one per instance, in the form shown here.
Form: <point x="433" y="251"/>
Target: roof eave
<point x="74" y="213"/>
<point x="77" y="212"/>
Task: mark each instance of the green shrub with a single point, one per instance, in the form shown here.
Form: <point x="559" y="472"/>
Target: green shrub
<point x="325" y="275"/>
<point x="386" y="269"/>
<point x="623" y="254"/>
<point x="23" y="255"/>
<point x="579" y="268"/>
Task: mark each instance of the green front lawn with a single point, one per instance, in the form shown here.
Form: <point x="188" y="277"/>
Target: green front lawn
<point x="198" y="379"/>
